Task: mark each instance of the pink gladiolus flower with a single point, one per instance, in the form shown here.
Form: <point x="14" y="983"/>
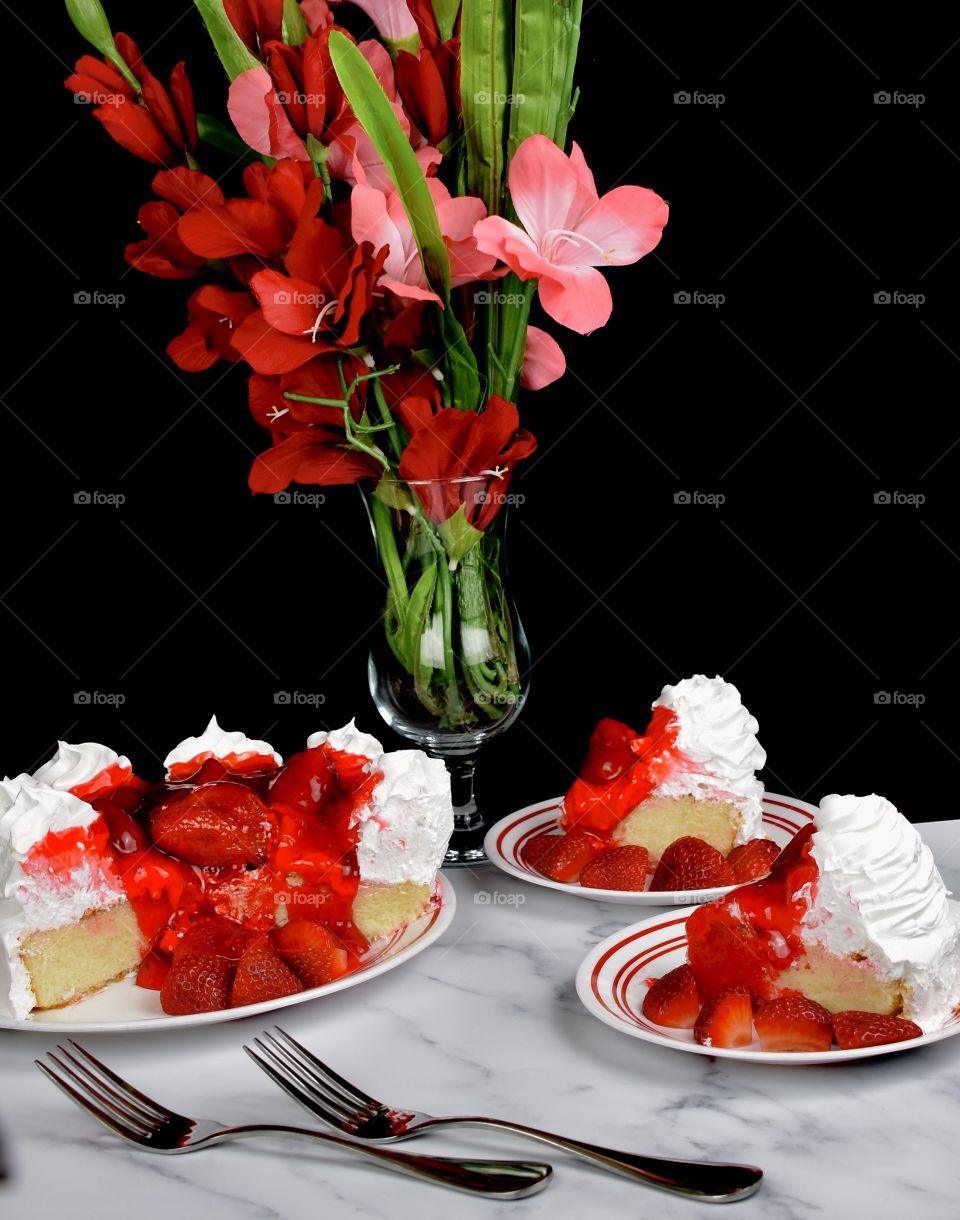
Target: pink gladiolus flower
<point x="543" y="360"/>
<point x="380" y="219"/>
<point x="569" y="231"/>
<point x="393" y="20"/>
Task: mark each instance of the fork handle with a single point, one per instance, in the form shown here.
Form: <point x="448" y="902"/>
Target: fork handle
<point x="495" y="1179"/>
<point x="709" y="1181"/>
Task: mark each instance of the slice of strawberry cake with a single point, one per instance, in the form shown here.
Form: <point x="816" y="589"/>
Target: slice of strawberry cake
<point x="854" y="918"/>
<point x="236" y="878"/>
<point x="682" y="800"/>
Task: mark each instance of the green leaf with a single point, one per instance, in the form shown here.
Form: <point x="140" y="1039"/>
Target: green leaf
<point x="486" y="50"/>
<point x="458" y="535"/>
<point x="376" y="116"/>
<point x="91" y="22"/>
<point x="545" y="55"/>
<point x="218" y="135"/>
<point x="415" y="616"/>
<point x="445" y="11"/>
<point x="227" y="43"/>
<point x="295" y="30"/>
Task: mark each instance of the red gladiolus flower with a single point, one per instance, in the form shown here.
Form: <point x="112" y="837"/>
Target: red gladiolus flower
<point x="256" y="21"/>
<point x="479" y="449"/>
<point x="317" y="379"/>
<point x="162" y="252"/>
<point x="318" y="306"/>
<point x="310" y="455"/>
<point x="158" y="125"/>
<point x="214" y="314"/>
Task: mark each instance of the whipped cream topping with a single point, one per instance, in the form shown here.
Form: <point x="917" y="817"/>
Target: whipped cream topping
<point x="73" y="766"/>
<point x="215" y="742"/>
<point x="28" y="903"/>
<point x="717" y="736"/>
<point x="404" y="831"/>
<point x="349" y="739"/>
<point x="880" y="893"/>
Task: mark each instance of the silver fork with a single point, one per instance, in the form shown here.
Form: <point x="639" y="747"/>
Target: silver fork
<point x="145" y="1122"/>
<point x="357" y="1114"/>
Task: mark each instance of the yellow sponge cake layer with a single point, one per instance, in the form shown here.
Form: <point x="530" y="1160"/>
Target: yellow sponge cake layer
<point x="67" y="963"/>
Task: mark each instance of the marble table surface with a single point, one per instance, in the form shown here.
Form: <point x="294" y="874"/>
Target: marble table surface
<point x="487" y="1021"/>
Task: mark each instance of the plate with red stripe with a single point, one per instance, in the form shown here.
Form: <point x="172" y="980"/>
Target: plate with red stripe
<point x="614" y="977"/>
<point x="124" y="1007"/>
<point x="783" y="816"/>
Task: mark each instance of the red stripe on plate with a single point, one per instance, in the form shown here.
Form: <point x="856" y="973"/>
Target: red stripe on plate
<point x="619" y="985"/>
<point x="602" y="961"/>
<point x="519" y="822"/>
<point x="804" y="813"/>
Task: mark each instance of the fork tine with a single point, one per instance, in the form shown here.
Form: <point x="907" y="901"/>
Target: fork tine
<point x="134" y="1125"/>
<point x="305" y="1080"/>
<point x="85" y="1101"/>
<point x="121" y="1101"/>
<point x="351" y="1093"/>
<point x="147" y="1102"/>
<point x="293" y="1090"/>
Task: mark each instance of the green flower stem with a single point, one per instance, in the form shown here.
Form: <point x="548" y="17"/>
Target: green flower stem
<point x="389" y="555"/>
<point x="388" y="421"/>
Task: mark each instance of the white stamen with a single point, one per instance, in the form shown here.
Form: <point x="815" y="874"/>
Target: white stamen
<point x="275" y="413"/>
<point x="553" y="237"/>
<point x="229" y="322"/>
<point x="312" y="330"/>
<point x="436" y="374"/>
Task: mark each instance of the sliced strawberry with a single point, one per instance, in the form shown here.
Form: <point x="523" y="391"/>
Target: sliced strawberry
<point x="216" y="824"/>
<point x="533" y="850"/>
<point x="564" y="860"/>
<point x="610" y="752"/>
<point x="691" y="864"/>
<point x="853" y="1029"/>
<point x="196" y="982"/>
<point x="311" y="951"/>
<point x="726" y="1019"/>
<point x="623" y="868"/>
<point x="304" y="782"/>
<point x="794" y="1023"/>
<point x="262" y="975"/>
<point x="214" y="935"/>
<point x="753" y="859"/>
<point x="673" y="1000"/>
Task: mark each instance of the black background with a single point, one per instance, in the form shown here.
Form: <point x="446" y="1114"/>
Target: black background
<point x="798" y="398"/>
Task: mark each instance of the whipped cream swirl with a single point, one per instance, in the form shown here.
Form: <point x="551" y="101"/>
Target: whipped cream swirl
<point x="880" y="893"/>
<point x="215" y="742"/>
<point x="717" y="737"/>
<point x="73" y="766"/>
<point x="350" y="740"/>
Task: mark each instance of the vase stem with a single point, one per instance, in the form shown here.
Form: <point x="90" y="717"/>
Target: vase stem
<point x="466" y="844"/>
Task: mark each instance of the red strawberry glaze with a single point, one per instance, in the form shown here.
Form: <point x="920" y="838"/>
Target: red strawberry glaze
<point x="310" y="867"/>
<point x="103" y="782"/>
<point x="752" y="934"/>
<point x="248" y="763"/>
<point x="598" y="804"/>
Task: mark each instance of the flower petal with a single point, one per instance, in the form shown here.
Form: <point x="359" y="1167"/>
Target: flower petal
<point x="577" y="297"/>
<point x="543" y="186"/>
<point x="259" y="116"/>
<point x="508" y="242"/>
<point x="625" y="224"/>
<point x="543" y="360"/>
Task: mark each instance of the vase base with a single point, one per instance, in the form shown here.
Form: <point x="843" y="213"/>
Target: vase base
<point x="464" y="857"/>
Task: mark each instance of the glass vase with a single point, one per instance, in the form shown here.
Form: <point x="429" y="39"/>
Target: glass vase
<point x="448" y="670"/>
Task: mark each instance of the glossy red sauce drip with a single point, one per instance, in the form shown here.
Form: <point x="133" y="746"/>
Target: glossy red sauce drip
<point x="621" y="770"/>
<point x="103" y="782"/>
<point x="235" y="764"/>
<point x="751" y="935"/>
<point x="60" y="852"/>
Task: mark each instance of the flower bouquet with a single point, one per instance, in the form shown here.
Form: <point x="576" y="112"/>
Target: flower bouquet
<point x="400" y="200"/>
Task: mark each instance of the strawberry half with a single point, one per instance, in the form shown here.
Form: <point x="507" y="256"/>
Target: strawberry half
<point x="691" y="864"/>
<point x="565" y="858"/>
<point x="726" y="1019"/>
<point x="214" y="825"/>
<point x="311" y="951"/>
<point x="623" y="868"/>
<point x="196" y="982"/>
<point x="610" y="752"/>
<point x="854" y="1029"/>
<point x="673" y="1000"/>
<point x="262" y="975"/>
<point x="752" y="860"/>
<point x="534" y="849"/>
<point x="794" y="1023"/>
